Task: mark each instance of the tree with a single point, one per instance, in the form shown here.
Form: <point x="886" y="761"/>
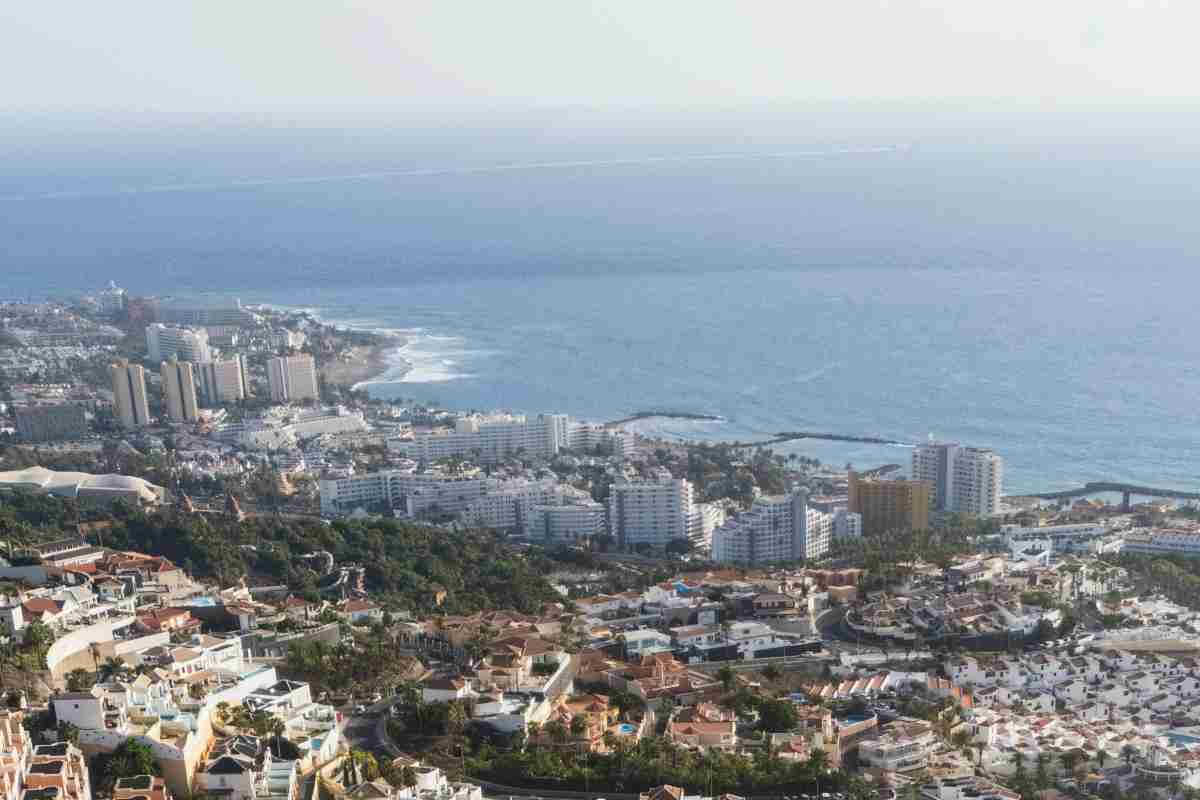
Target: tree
<point x="578" y="725"/>
<point x="408" y="776"/>
<point x="456" y="717"/>
<point x="132" y="757"/>
<point x="556" y="731"/>
<point x="777" y="716"/>
<point x="726" y="675"/>
<point x="68" y="733"/>
<point x="112" y="668"/>
<point x="1040" y="762"/>
<point x="79" y="680"/>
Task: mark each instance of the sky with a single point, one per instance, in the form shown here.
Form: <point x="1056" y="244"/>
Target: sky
<point x="279" y="55"/>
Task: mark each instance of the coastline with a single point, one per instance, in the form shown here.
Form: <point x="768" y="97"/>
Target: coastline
<point x="365" y="363"/>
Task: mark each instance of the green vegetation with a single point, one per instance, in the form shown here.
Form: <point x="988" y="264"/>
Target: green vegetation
<point x="1178" y="577"/>
<point x="655" y="761"/>
<point x="403" y="562"/>
<point x="132" y="757"/>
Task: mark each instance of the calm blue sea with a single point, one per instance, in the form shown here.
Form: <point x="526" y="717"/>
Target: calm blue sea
<point x="1024" y="285"/>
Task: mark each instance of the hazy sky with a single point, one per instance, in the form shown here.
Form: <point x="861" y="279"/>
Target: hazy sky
<point x="311" y="54"/>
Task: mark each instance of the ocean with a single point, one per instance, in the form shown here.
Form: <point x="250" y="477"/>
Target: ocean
<point x="1030" y="289"/>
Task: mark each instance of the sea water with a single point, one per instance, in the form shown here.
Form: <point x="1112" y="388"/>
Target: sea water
<point x="1015" y="284"/>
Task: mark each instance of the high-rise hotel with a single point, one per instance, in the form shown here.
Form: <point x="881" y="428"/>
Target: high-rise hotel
<point x="965" y="479"/>
<point x="129" y="394"/>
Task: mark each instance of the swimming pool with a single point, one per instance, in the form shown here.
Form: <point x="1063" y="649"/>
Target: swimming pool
<point x="1182" y="739"/>
<point x="625" y="729"/>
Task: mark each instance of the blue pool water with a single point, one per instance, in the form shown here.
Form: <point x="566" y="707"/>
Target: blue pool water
<point x="626" y="729"/>
<point x="1183" y="739"/>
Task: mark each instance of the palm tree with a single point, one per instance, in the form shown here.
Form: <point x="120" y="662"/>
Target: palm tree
<point x="534" y="729"/>
<point x="456" y="717"/>
<point x="278" y="729"/>
<point x="408" y="776"/>
<point x="112" y="667"/>
<point x="1101" y="757"/>
<point x="1042" y="778"/>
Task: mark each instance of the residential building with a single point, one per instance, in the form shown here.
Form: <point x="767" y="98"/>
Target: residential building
<point x="902" y="746"/>
<point x="508" y="505"/>
<point x="703" y="726"/>
<point x="776" y="528"/>
<point x="488" y="439"/>
<point x="179" y="390"/>
<point x="650" y="512"/>
<point x="282" y="338"/>
<point x="164" y="342"/>
<point x="885" y="506"/>
<point x="565" y="523"/>
<point x="141" y="787"/>
<point x="51" y="422"/>
<point x="199" y="311"/>
<point x="223" y="380"/>
<point x="16" y="749"/>
<point x="111" y="299"/>
<point x="61" y="767"/>
<point x="847" y="524"/>
<point x="964" y="479"/>
<point x="129" y="394"/>
<point x="292" y="379"/>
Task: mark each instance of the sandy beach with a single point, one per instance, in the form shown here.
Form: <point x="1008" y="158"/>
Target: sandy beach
<point x="363" y="363"/>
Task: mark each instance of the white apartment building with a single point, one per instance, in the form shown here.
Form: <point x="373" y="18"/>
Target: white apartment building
<point x="565" y="523"/>
<point x="282" y="337"/>
<point x="901" y="746"/>
<point x="164" y="342"/>
<point x="582" y="436"/>
<point x="1061" y="537"/>
<point x="1159" y="541"/>
<point x="282" y="427"/>
<point x="111" y="299"/>
<point x="652" y="512"/>
<point x="223" y="380"/>
<point x="205" y="311"/>
<point x="508" y="506"/>
<point x="408" y="494"/>
<point x="179" y="390"/>
<point x="847" y="524"/>
<point x="776" y="528"/>
<point x="292" y="378"/>
<point x="964" y="479"/>
<point x="706" y="518"/>
<point x="129" y="394"/>
<point x="416" y="495"/>
<point x="489" y="439"/>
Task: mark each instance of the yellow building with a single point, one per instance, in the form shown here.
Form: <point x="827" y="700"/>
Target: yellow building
<point x="889" y="505"/>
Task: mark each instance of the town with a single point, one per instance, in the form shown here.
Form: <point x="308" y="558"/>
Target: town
<point x="228" y="571"/>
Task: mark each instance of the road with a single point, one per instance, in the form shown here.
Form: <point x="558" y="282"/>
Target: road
<point x="367" y="731"/>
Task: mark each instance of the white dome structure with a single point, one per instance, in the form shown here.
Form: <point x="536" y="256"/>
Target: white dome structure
<point x="84" y="486"/>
